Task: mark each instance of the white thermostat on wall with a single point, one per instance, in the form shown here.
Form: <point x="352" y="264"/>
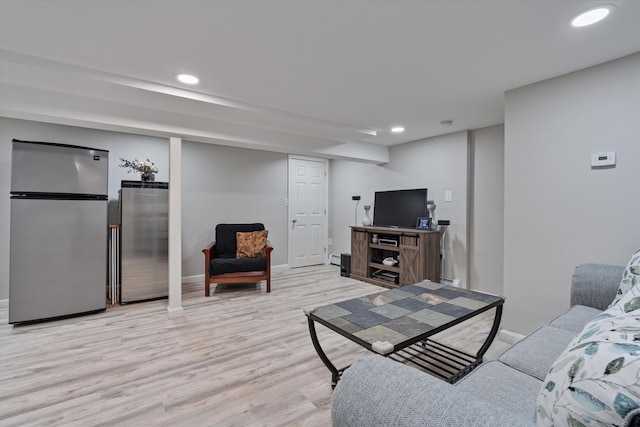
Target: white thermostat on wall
<point x="599" y="160"/>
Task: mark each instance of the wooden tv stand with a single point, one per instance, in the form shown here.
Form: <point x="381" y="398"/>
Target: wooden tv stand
<point x="418" y="252"/>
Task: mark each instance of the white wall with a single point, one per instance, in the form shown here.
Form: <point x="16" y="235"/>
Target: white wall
<point x="439" y="164"/>
<point x="225" y="185"/>
<point x="559" y="212"/>
<point x="348" y="178"/>
<point x="486" y="228"/>
<point x="219" y="184"/>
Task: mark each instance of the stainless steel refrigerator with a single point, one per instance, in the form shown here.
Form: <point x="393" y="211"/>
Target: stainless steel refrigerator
<point x="58" y="240"/>
<point x="144" y="241"/>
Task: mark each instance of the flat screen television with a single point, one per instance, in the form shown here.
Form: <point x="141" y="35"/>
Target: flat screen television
<point x="399" y="208"/>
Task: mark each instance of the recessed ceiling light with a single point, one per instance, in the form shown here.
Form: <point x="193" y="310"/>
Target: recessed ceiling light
<point x="188" y="79"/>
<point x="397" y="129"/>
<point x="591" y="16"/>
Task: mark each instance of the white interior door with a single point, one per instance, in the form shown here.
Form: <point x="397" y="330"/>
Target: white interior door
<point x="307" y="211"/>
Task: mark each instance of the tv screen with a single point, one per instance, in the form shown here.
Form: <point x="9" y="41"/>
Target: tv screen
<point x="399" y="208"/>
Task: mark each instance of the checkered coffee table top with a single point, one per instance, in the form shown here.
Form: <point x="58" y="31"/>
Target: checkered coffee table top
<point x="400" y="315"/>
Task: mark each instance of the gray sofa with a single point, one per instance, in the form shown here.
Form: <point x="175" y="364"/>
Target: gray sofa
<point x="376" y="391"/>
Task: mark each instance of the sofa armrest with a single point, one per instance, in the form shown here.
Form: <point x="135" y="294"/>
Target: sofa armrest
<point x="376" y="391"/>
<point x="595" y="285"/>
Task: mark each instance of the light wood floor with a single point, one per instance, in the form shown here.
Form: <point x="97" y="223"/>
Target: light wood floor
<point x="241" y="357"/>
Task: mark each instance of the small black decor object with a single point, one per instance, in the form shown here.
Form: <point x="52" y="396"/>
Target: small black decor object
<point x="423" y="223"/>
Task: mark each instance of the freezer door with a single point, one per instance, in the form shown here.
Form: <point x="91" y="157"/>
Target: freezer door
<point x="144" y="236"/>
<point x="58" y="258"/>
<point x="55" y="168"/>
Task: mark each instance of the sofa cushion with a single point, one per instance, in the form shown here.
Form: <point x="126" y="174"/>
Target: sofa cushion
<point x="535" y="354"/>
<point x="507" y="388"/>
<point x="595" y="285"/>
<point x="575" y="319"/>
<point x="236" y="265"/>
<point x="377" y="391"/>
<point x="252" y="244"/>
<point x="630" y="277"/>
<point x="226" y="237"/>
<point x="595" y="380"/>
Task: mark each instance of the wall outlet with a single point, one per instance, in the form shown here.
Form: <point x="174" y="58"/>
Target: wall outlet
<point x="456" y="283"/>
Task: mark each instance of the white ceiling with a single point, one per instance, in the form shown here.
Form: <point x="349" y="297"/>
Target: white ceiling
<point x="318" y="77"/>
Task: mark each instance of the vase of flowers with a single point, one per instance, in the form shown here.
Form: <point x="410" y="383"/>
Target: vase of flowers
<point x="147" y="168"/>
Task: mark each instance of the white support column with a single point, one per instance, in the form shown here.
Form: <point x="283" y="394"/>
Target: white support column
<point x="174" y="309"/>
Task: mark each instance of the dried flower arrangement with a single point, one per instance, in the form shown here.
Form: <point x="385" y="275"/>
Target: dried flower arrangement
<point x="143" y="167"/>
<point x="146" y="168"/>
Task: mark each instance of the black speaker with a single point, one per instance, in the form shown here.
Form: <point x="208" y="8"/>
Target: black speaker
<point x="345" y="265"/>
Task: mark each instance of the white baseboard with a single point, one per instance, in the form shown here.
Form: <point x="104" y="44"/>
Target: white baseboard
<point x="191" y="279"/>
<point x="509" y="337"/>
<point x="4" y="303"/>
<point x="279" y="268"/>
<point x="335" y="259"/>
<point x="175" y="312"/>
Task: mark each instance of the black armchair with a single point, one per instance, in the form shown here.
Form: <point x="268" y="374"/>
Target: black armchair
<point x="221" y="263"/>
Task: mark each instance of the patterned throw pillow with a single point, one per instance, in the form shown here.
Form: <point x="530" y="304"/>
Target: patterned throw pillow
<point x="252" y="244"/>
<point x="596" y="380"/>
<point x="630" y="277"/>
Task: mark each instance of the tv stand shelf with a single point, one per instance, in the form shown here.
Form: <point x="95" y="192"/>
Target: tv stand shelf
<point x="385" y="247"/>
<point x="384" y="267"/>
<point x="417" y="252"/>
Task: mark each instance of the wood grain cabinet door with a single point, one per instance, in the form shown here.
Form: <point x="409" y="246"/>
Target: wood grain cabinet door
<point x="359" y="252"/>
<point x="411" y="267"/>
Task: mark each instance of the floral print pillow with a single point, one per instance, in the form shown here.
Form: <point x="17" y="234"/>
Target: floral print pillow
<point x="596" y="380"/>
<point x="252" y="244"/>
<point x="630" y="277"/>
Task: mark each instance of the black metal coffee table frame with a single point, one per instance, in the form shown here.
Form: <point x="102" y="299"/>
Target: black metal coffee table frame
<point x="445" y="362"/>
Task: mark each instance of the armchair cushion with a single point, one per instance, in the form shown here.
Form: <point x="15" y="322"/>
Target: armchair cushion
<point x="236" y="265"/>
<point x="252" y="244"/>
<point x="226" y="242"/>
